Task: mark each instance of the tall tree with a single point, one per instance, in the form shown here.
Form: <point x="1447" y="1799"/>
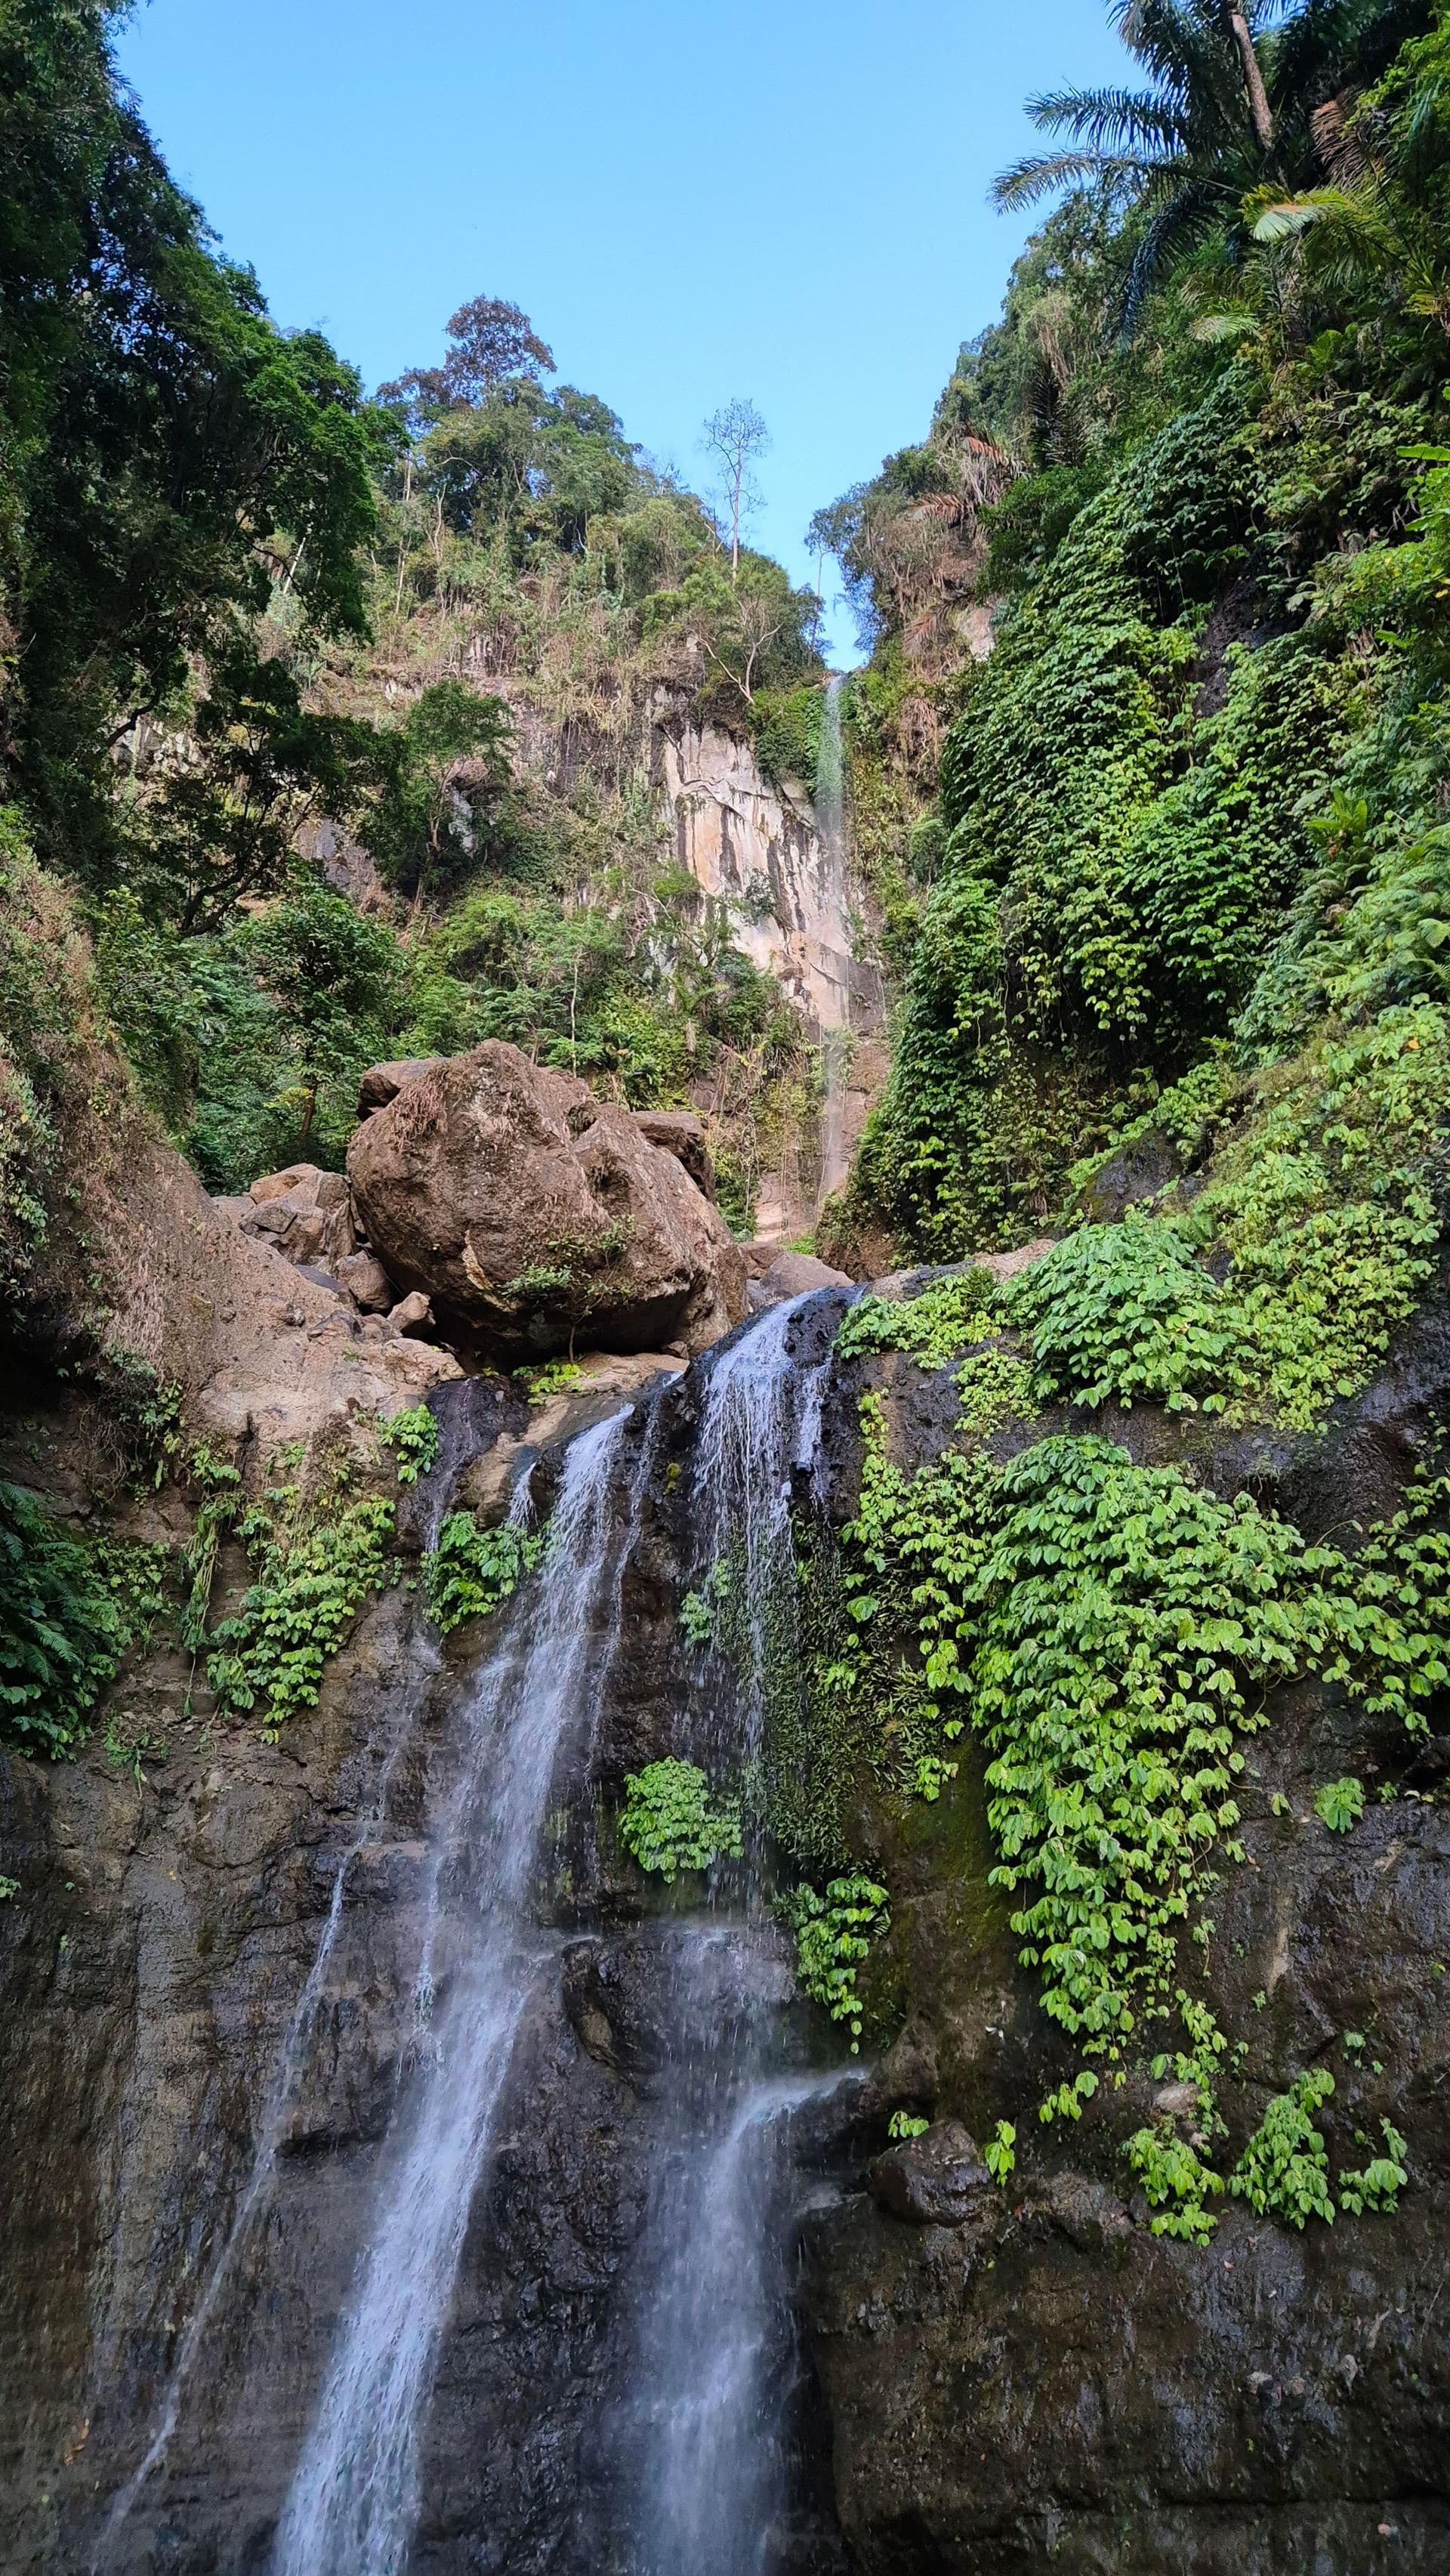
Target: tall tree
<point x="167" y="456"/>
<point x="735" y="436"/>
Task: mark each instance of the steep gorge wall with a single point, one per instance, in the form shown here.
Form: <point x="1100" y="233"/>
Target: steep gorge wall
<point x="757" y="847"/>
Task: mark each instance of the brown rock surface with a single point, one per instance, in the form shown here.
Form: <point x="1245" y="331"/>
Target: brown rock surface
<point x="537" y="1217"/>
<point x="679" y="1132"/>
<point x="303" y="1212"/>
<point x="383" y="1082"/>
<point x="795" y="1274"/>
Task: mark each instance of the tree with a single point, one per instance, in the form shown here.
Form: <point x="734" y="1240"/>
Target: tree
<point x="167" y="456"/>
<point x="442" y="771"/>
<point x="490" y="343"/>
<point x="335" y="980"/>
<point x="735" y="436"/>
<point x="1231" y="108"/>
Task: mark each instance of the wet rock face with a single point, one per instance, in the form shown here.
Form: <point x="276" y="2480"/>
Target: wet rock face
<point x="1028" y="2379"/>
<point x="1018" y="2383"/>
<point x="1039" y="2388"/>
<point x="536" y="1217"/>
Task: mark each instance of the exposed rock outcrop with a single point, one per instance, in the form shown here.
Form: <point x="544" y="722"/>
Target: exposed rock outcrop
<point x="538" y="1218"/>
<point x="303" y="1212"/>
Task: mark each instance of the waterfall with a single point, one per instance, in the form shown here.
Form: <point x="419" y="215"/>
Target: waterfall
<point x="271" y="2128"/>
<point x="716" y="2353"/>
<point x="354" y="2498"/>
<point x="692" y="2423"/>
<point x="830" y="802"/>
<point x="454" y="1431"/>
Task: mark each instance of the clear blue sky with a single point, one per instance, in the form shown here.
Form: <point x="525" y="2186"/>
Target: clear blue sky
<point x="778" y="198"/>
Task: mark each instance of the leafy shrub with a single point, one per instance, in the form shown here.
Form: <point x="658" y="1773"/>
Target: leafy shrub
<point x="1125" y="1312"/>
<point x="548" y="1378"/>
<point x="669" y="1824"/>
<point x="1284" y="2170"/>
<point x="700" y="1611"/>
<point x="905" y="2124"/>
<point x="471" y="1571"/>
<point x="412" y="1437"/>
<point x="992" y="1387"/>
<point x="1378" y="2187"/>
<point x="1000" y="2152"/>
<point x="313" y="1564"/>
<point x="68" y="1611"/>
<point x="1340" y="1804"/>
<point x="1176" y="2183"/>
<point x="1328" y="1204"/>
<point x="931" y="1325"/>
<point x="833" y="1934"/>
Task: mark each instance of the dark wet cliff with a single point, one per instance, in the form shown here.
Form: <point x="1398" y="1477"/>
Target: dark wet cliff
<point x="1016" y="2379"/>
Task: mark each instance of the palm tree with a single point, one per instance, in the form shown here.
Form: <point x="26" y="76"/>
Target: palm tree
<point x="1230" y="109"/>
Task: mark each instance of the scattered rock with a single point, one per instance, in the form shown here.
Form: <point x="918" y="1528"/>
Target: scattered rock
<point x="934" y="2181"/>
<point x="412" y="1314"/>
<point x="537" y="1218"/>
<point x="304" y="1213"/>
<point x="367" y="1283"/>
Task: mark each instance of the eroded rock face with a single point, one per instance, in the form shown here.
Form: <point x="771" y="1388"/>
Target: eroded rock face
<point x="536" y="1217"/>
<point x="1029" y="2379"/>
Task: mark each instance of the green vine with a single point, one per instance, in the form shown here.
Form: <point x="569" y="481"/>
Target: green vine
<point x="1109" y="1632"/>
<point x="471" y="1572"/>
<point x="412" y="1437"/>
<point x="834" y="1933"/>
<point x="669" y="1822"/>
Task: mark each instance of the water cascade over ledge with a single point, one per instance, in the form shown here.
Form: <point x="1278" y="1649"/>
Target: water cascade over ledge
<point x="669" y="2423"/>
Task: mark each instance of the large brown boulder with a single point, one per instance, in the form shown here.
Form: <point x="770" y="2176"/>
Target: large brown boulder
<point x="538" y="1218"/>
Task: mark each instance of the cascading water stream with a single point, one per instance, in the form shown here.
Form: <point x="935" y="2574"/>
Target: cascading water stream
<point x="716" y="2358"/>
<point x="354" y="2498"/>
<point x="291" y="2060"/>
<point x="830" y="809"/>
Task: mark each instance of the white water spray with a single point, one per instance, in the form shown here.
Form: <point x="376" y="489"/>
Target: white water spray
<point x="354" y="2499"/>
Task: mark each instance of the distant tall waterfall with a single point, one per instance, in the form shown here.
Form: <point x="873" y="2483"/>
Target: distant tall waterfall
<point x="831" y="832"/>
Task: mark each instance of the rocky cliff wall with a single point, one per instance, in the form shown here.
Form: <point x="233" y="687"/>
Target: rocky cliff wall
<point x="1019" y="2381"/>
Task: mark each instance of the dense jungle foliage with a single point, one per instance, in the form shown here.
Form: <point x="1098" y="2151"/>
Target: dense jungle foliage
<point x="1166" y="876"/>
<point x="330" y="715"/>
<point x="1183" y="879"/>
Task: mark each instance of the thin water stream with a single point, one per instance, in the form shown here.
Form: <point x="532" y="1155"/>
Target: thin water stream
<point x="717" y="2361"/>
<point x="830" y="809"/>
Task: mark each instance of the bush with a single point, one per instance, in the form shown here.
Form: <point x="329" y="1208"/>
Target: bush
<point x="68" y="1611"/>
<point x="472" y="1571"/>
<point x="669" y="1824"/>
<point x="1125" y="1312"/>
<point x="1284" y="2170"/>
<point x="834" y="1933"/>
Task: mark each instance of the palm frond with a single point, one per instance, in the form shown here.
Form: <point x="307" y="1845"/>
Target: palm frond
<point x="1029" y="180"/>
<point x="1186" y="50"/>
<point x="1111" y="120"/>
<point x="1182" y="218"/>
